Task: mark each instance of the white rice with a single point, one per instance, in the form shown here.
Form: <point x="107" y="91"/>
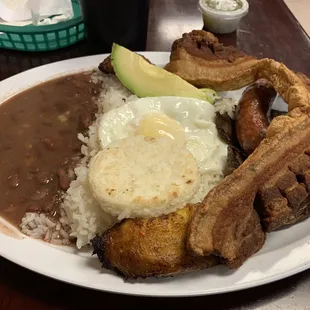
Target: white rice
<point x="40" y="226"/>
<point x="113" y="95"/>
<point x="85" y="216"/>
<point x="81" y="216"/>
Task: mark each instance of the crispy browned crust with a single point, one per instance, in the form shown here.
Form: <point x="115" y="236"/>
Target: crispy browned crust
<point x="305" y="80"/>
<point x="229" y="205"/>
<point x="106" y="65"/>
<point x="150" y="247"/>
<point x="284" y="199"/>
<point x="292" y="87"/>
<point x="199" y="58"/>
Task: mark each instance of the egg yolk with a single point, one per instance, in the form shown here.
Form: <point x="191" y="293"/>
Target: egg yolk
<point x="160" y="125"/>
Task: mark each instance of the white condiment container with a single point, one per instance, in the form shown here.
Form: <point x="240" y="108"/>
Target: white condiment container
<point x="220" y="21"/>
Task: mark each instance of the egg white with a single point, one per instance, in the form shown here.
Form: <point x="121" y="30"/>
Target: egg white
<point x="196" y="117"/>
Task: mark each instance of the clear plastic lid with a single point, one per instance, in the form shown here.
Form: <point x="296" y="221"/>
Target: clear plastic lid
<point x="235" y="14"/>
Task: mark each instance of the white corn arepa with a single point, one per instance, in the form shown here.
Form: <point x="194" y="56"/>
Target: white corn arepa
<point x="144" y="177"/>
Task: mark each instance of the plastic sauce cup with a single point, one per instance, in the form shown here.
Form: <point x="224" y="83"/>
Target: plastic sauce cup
<point x="218" y="21"/>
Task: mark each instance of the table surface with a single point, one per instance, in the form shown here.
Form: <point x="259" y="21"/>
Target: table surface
<point x="269" y="30"/>
<point x="300" y="9"/>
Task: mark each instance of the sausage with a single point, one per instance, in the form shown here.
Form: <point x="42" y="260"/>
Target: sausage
<point x="252" y="114"/>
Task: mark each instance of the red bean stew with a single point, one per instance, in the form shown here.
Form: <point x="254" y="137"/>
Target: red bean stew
<point x="39" y="146"/>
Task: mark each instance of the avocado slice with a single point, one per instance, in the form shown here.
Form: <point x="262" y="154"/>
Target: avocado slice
<point x="147" y="80"/>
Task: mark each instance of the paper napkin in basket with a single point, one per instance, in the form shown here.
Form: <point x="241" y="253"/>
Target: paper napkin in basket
<point x="37" y="12"/>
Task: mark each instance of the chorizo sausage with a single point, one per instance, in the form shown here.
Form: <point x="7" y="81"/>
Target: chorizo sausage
<point x="252" y="114"/>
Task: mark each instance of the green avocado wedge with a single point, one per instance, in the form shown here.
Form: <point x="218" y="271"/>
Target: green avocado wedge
<point x="147" y="80"/>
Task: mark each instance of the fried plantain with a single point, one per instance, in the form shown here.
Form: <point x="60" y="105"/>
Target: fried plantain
<point x="150" y="247"/>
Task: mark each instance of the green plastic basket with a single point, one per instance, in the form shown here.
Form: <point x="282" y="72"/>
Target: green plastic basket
<point x="44" y="38"/>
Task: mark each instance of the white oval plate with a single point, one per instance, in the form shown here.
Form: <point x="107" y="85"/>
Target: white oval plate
<point x="285" y="253"/>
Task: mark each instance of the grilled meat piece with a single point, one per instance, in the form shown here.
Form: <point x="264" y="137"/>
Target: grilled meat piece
<point x="226" y="128"/>
<point x="235" y="158"/>
<point x="150" y="247"/>
<point x="219" y="226"/>
<point x="107" y="67"/>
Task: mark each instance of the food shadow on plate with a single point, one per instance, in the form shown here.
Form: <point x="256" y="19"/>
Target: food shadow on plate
<point x="92" y="261"/>
<point x="285" y="236"/>
<point x="289" y="226"/>
<point x="257" y="264"/>
<point x="278" y="246"/>
<point x="219" y="270"/>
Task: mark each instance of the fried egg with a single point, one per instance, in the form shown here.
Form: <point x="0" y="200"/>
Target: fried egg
<point x="186" y="121"/>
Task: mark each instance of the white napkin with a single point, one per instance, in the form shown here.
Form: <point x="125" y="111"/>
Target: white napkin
<point x="38" y="12"/>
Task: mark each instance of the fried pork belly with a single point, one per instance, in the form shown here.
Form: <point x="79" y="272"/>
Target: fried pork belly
<point x="199" y="58"/>
<point x="305" y="80"/>
<point x="218" y="227"/>
<point x="284" y="199"/>
<point x="293" y="87"/>
<point x="150" y="247"/>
